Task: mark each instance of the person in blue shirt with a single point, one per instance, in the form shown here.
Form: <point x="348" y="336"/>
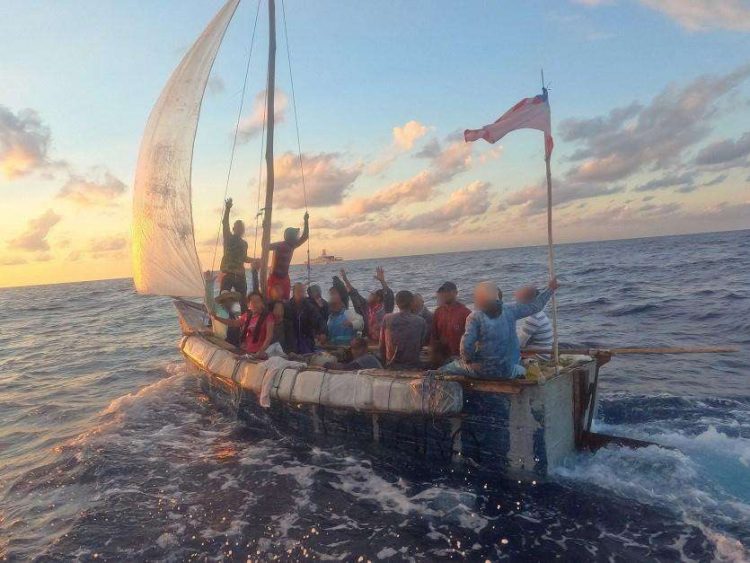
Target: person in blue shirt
<point x="490" y="347"/>
<point x="343" y="323"/>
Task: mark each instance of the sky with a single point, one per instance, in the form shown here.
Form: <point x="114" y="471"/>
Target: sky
<point x="650" y="108"/>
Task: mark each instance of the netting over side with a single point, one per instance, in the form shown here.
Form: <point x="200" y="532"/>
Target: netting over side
<point x="165" y="261"/>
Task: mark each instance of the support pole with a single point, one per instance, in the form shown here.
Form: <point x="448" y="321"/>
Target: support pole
<point x="551" y="257"/>
<point x="271" y="87"/>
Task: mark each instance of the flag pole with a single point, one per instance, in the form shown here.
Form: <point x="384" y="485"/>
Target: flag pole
<point x="551" y="246"/>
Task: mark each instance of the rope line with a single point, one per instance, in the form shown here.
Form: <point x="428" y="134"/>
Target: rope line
<point x="296" y="126"/>
<point x="237" y="127"/>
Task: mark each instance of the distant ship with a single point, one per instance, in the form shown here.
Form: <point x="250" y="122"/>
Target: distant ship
<point x="325" y="258"/>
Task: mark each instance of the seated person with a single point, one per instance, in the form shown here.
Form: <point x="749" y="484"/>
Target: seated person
<point x="534" y="331"/>
<point x="316" y="295"/>
<point x="378" y="304"/>
<point x="418" y="308"/>
<point x="227" y="306"/>
<point x="256" y="325"/>
<point x="401" y="335"/>
<point x="281" y="325"/>
<point x="449" y="319"/>
<point x="362" y="358"/>
<point x="304" y="322"/>
<point x="343" y="324"/>
<point x="489" y="347"/>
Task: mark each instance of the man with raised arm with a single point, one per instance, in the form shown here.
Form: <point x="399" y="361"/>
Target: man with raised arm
<point x="489" y="347"/>
<point x="282" y="257"/>
<point x="235" y="255"/>
<point x="378" y="304"/>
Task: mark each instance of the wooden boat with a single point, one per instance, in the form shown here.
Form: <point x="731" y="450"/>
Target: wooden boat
<point x="519" y="427"/>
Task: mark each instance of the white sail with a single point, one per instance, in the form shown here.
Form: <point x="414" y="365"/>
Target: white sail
<point x="165" y="260"/>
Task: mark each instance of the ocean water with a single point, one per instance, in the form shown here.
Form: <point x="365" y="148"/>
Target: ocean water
<point x="109" y="450"/>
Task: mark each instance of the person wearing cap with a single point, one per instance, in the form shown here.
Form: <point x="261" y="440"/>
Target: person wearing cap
<point x="489" y="347"/>
<point x="283" y="251"/>
<point x="377" y="305"/>
<point x="343" y="323"/>
<point x="449" y="319"/>
<point x="235" y="255"/>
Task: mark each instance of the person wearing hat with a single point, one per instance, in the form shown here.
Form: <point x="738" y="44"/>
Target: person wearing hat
<point x="278" y="279"/>
<point x="377" y="305"/>
<point x="227" y="306"/>
<point x="449" y="319"/>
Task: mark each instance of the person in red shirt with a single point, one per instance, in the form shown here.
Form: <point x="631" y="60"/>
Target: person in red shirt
<point x="449" y="320"/>
<point x="278" y="279"/>
<point x="256" y="324"/>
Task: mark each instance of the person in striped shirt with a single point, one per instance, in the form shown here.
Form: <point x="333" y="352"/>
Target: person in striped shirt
<point x="534" y="331"/>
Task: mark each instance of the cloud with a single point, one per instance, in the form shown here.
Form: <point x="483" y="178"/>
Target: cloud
<point x="252" y="125"/>
<point x="725" y="152"/>
<point x="717" y="180"/>
<point x="12" y="261"/>
<point x="24" y="143"/>
<point x="446" y="161"/>
<point x="470" y="201"/>
<point x="34" y="238"/>
<point x="705" y="15"/>
<point x="108" y="244"/>
<point x="532" y="200"/>
<point x="100" y="190"/>
<point x="327" y="182"/>
<point x="633" y="137"/>
<point x="405" y="136"/>
<point x="668" y="181"/>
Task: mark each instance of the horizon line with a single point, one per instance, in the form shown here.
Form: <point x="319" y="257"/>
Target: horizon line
<point x="426" y="254"/>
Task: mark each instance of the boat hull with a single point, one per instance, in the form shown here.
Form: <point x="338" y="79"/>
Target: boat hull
<point x="520" y="428"/>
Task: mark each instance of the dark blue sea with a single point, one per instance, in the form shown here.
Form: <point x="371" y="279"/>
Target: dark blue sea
<point x="109" y="450"/>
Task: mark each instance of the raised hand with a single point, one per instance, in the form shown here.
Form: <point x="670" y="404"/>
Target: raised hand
<point x="228" y="203"/>
<point x="380" y="274"/>
<point x="342" y="272"/>
<point x="554" y="284"/>
<point x="307" y="216"/>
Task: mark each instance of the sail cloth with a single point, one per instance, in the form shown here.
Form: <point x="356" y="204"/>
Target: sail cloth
<point x="529" y="113"/>
<point x="165" y="260"/>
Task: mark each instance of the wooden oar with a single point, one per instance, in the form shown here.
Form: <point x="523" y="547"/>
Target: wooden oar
<point x="633" y="351"/>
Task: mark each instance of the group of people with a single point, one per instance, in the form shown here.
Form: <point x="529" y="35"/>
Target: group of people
<point x="382" y="330"/>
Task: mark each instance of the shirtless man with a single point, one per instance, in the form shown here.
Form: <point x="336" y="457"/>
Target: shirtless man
<point x="282" y="258"/>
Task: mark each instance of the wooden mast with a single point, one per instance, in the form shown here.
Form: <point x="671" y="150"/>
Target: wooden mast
<point x="270" y="90"/>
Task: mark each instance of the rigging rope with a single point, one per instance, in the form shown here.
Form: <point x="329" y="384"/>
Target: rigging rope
<point x="296" y="125"/>
<point x="237" y="127"/>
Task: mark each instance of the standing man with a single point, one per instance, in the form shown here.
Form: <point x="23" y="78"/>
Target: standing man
<point x="282" y="258"/>
<point x="449" y="319"/>
<point x="235" y="255"/>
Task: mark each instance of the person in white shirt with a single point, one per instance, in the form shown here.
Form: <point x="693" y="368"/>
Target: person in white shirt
<point x="534" y="331"/>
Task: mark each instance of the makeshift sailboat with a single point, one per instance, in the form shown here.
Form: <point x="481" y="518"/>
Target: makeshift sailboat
<point x="518" y="426"/>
